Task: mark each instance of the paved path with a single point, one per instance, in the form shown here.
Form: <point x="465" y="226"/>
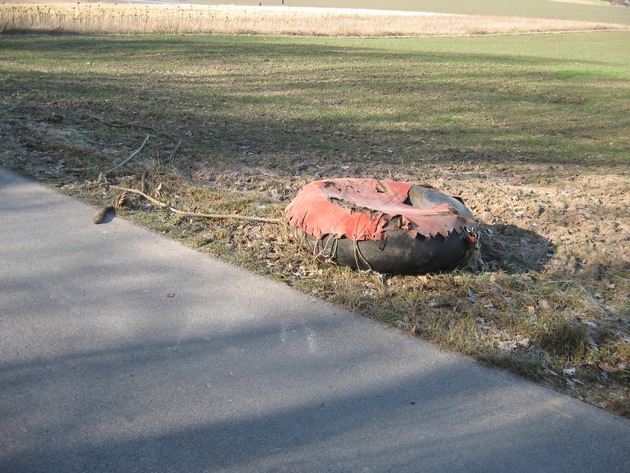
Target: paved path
<point x="123" y="351"/>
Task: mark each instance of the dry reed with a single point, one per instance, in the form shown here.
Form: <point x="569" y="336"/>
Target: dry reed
<point x="216" y="19"/>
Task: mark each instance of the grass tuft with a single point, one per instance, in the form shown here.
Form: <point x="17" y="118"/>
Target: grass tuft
<point x="565" y="339"/>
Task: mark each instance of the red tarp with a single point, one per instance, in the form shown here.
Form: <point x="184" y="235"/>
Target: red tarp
<point x="360" y="209"/>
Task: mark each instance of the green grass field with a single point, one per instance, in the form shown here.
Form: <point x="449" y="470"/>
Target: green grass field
<point x="561" y="99"/>
<point x="531" y="130"/>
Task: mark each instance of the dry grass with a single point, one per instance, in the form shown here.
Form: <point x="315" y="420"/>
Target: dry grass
<point x="531" y="131"/>
<point x="216" y="19"/>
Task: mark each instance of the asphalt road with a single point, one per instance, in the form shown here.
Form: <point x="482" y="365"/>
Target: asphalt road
<point x="123" y="351"/>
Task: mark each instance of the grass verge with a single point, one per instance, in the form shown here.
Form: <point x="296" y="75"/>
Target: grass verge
<point x="531" y="131"/>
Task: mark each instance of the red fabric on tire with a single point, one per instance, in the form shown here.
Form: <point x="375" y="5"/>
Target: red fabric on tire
<point x="360" y="209"/>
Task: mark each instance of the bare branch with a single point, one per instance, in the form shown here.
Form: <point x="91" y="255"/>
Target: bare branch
<point x="198" y="215"/>
<point x="132" y="155"/>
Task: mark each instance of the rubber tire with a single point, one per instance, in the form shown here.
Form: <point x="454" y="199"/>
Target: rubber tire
<point x="400" y="255"/>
